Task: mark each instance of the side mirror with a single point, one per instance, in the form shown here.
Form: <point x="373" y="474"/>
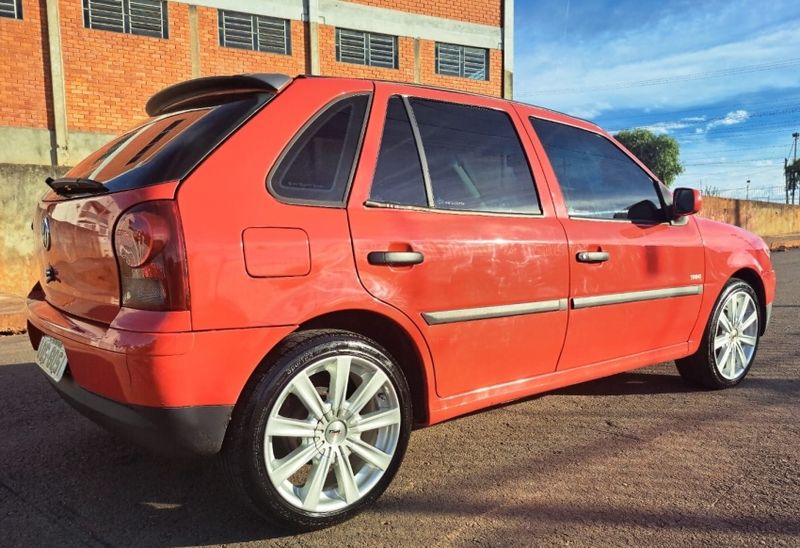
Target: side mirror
<point x="686" y="201"/>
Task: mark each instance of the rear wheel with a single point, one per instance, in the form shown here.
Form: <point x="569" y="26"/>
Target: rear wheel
<point x="321" y="430"/>
<point x="729" y="342"/>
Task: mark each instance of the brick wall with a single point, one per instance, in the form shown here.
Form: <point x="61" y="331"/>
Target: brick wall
<point x="485" y="12"/>
<point x="215" y="59"/>
<point x="109" y="75"/>
<point x="24" y="82"/>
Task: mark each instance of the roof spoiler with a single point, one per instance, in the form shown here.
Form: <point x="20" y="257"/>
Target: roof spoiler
<point x="202" y="91"/>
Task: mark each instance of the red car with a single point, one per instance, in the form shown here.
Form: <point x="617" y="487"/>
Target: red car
<point x="295" y="272"/>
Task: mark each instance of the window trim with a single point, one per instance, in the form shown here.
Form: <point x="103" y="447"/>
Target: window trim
<point x="18" y="13"/>
<point x="254" y="17"/>
<point x="426" y="173"/>
<point x="337" y="204"/>
<point x="630" y="156"/>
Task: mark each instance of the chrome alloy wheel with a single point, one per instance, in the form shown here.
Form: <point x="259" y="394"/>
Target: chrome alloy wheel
<point x="332" y="433"/>
<point x="736" y="335"/>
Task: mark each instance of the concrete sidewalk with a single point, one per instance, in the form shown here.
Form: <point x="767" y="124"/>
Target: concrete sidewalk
<point x="12" y="307"/>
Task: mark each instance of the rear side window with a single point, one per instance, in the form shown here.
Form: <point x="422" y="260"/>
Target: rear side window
<point x="475" y="159"/>
<point x="597" y="179"/>
<point x="398" y="175"/>
<point x="318" y="166"/>
<point x="166" y="148"/>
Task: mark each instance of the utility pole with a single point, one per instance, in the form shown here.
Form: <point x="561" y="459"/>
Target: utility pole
<point x="792" y="172"/>
<point x="747" y="190"/>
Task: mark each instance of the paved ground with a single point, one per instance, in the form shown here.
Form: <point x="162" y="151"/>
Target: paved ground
<point x="633" y="459"/>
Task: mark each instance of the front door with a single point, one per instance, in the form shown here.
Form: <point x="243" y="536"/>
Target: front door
<point x="449" y="228"/>
<point x="636" y="278"/>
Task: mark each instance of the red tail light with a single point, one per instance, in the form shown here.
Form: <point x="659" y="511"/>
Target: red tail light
<point x="152" y="261"/>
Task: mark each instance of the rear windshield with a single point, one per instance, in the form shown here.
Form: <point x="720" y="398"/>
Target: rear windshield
<point x="168" y="147"/>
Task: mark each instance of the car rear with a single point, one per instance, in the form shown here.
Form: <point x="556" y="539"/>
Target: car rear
<point x="111" y="313"/>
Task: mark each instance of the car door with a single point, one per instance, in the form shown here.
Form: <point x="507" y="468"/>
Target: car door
<point x="448" y="227"/>
<point x="636" y="277"/>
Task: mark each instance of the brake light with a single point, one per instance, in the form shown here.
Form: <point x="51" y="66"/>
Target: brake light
<point x="152" y="260"/>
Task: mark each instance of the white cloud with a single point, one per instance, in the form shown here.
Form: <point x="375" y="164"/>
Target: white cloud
<point x="730" y="119"/>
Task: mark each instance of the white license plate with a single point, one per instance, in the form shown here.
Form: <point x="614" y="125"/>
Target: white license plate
<point x="52" y="357"/>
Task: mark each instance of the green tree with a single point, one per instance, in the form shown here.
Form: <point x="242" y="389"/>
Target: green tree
<point x="660" y="153"/>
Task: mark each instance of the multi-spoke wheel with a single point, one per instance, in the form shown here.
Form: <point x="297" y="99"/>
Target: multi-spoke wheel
<point x="730" y="341"/>
<point x="321" y="431"/>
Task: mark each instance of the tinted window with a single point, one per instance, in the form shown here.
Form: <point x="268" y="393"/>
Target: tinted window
<point x="317" y="167"/>
<point x="167" y="148"/>
<point x="475" y="159"/>
<point x="597" y="179"/>
<point x="398" y="176"/>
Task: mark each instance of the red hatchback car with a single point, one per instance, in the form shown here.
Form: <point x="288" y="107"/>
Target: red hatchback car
<point x="296" y="271"/>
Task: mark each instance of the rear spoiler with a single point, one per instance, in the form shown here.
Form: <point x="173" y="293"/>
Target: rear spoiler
<point x="207" y="91"/>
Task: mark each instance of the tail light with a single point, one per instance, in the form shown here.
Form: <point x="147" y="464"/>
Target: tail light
<point x="148" y="242"/>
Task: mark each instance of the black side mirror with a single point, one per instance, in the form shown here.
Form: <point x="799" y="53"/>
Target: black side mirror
<point x="686" y="201"/>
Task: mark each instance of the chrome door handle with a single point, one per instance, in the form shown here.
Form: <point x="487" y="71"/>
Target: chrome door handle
<point x="395" y="258"/>
<point x="593" y="256"/>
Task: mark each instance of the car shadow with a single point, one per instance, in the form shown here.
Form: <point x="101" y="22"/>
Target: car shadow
<point x="626" y="384"/>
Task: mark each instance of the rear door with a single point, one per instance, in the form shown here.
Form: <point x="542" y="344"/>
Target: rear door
<point x="636" y="277"/>
<point x="449" y="227"/>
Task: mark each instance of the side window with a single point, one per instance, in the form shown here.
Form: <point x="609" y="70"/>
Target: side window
<point x="475" y="159"/>
<point x="318" y="165"/>
<point x="597" y="179"/>
<point x="398" y="175"/>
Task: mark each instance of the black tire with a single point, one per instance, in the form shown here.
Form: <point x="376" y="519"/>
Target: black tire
<point x="243" y="453"/>
<point x="702" y="369"/>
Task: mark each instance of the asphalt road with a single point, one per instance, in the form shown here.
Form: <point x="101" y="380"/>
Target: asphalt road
<point x="637" y="458"/>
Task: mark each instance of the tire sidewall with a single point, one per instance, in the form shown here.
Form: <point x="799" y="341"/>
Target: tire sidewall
<point x="264" y="397"/>
<point x="735" y="285"/>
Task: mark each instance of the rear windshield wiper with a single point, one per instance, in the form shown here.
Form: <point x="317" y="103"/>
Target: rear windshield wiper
<point x="67" y="186"/>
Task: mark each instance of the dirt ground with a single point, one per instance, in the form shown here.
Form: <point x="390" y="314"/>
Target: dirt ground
<point x="638" y="459"/>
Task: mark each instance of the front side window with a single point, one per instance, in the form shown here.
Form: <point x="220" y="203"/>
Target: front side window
<point x="254" y="32"/>
<point x="318" y="166"/>
<point x="462" y="61"/>
<point x="142" y="17"/>
<point x="597" y="179"/>
<point x="475" y="159"/>
<point x="11" y="9"/>
<point x="366" y="48"/>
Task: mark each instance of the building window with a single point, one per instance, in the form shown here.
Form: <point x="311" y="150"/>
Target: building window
<point x="366" y="48"/>
<point x="142" y="17"/>
<point x="11" y="9"/>
<point x="254" y="32"/>
<point x="462" y="61"/>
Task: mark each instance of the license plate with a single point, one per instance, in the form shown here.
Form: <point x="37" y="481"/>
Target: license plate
<point x="52" y="357"/>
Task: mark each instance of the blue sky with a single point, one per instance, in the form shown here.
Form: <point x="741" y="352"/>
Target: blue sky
<point x="721" y="77"/>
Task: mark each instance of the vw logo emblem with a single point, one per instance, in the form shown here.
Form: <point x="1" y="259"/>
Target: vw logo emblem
<point x="45" y="233"/>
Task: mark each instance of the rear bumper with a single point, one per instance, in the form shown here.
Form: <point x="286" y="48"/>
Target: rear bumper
<point x="177" y="431"/>
<point x="170" y="391"/>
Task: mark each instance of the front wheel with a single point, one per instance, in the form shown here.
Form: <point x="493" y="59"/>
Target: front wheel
<point x="321" y="430"/>
<point x="729" y="342"/>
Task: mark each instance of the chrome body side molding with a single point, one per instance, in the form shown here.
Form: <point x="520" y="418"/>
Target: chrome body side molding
<point x="635" y="296"/>
<point x="487" y="312"/>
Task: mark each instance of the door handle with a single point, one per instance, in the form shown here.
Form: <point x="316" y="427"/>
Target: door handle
<point x="593" y="256"/>
<point x="395" y="258"/>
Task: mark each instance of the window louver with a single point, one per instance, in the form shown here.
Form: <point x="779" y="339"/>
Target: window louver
<point x="462" y="61"/>
<point x="366" y="48"/>
<point x="11" y="9"/>
<point x="254" y="32"/>
<point x="141" y="17"/>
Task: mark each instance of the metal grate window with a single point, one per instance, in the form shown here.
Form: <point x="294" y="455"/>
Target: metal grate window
<point x="11" y="9"/>
<point x="142" y="17"/>
<point x="366" y="48"/>
<point x="254" y="32"/>
<point x="462" y="61"/>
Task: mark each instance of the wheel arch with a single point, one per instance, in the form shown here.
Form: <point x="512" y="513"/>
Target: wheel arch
<point x="754" y="280"/>
<point x="395" y="339"/>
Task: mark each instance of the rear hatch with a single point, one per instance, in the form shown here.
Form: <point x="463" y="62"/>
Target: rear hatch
<point x="75" y="223"/>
